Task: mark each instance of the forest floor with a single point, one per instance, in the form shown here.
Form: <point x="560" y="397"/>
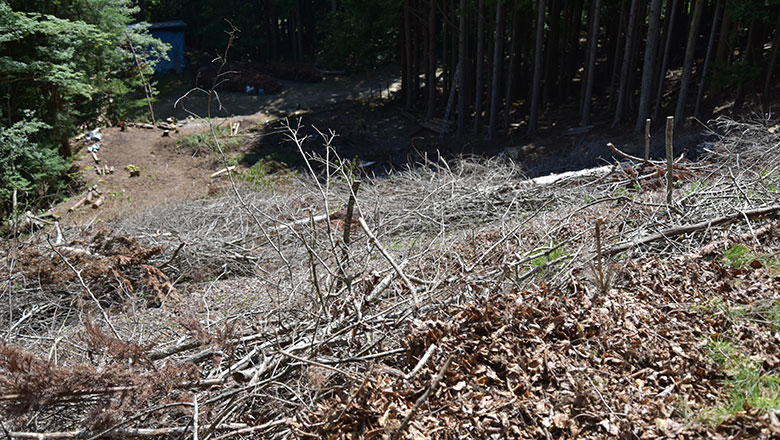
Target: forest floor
<point x="461" y="299"/>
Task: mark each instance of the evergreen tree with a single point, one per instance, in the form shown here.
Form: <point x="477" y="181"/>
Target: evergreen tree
<point x="61" y="64"/>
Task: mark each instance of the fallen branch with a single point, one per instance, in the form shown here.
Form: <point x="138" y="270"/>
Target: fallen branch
<point x="301" y="222"/>
<point x="392" y="262"/>
<point x="222" y="171"/>
<point x="717" y="245"/>
<point x="423" y="398"/>
<point x="111" y="390"/>
<point x="124" y="432"/>
<point x="695" y="227"/>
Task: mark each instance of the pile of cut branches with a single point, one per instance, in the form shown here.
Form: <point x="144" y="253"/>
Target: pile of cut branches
<point x="453" y="298"/>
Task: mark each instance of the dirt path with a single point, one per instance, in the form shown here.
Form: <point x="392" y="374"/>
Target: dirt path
<point x="167" y="172"/>
<point x="293" y="96"/>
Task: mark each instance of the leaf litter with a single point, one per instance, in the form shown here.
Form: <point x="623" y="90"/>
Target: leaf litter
<point x="513" y="337"/>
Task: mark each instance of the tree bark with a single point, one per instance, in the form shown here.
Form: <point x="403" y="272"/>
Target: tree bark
<point x="690" y="48"/>
<point x="552" y="54"/>
<point x="571" y="62"/>
<point x="273" y="26"/>
<point x="707" y="58"/>
<point x="535" y="85"/>
<point x="591" y="66"/>
<point x="665" y="62"/>
<point x="430" y="74"/>
<point x="772" y="61"/>
<point x="408" y="54"/>
<point x="614" y="77"/>
<point x="512" y="70"/>
<point x="479" y="87"/>
<point x="299" y="29"/>
<point x="649" y="62"/>
<point x="739" y="99"/>
<point x="624" y="70"/>
<point x="462" y="71"/>
<point x="498" y="58"/>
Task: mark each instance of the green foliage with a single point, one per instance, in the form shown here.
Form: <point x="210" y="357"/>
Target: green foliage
<point x="360" y="34"/>
<point x="747" y="384"/>
<point x="266" y="172"/>
<point x="545" y="259"/>
<point x="739" y="256"/>
<point x="204" y="142"/>
<point x="25" y="166"/>
<point x="62" y="64"/>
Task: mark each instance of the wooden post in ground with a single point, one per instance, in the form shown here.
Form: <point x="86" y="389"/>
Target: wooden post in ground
<point x="647" y="140"/>
<point x="669" y="159"/>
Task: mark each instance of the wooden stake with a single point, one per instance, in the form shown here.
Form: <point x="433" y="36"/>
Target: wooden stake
<point x="350" y="212"/>
<point x="647" y="139"/>
<point x="669" y="159"/>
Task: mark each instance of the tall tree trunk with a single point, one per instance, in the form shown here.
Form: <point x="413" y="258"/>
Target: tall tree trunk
<point x="498" y="58"/>
<point x="647" y="69"/>
<point x="635" y="52"/>
<point x="408" y="54"/>
<point x="707" y="58"/>
<point x="298" y="30"/>
<point x="453" y="38"/>
<point x="568" y="13"/>
<point x="430" y="74"/>
<point x="462" y="71"/>
<point x="614" y="77"/>
<point x="772" y="61"/>
<point x="445" y="37"/>
<point x="591" y="65"/>
<point x="479" y="88"/>
<point x="512" y="70"/>
<point x="739" y="99"/>
<point x="588" y="30"/>
<point x="416" y="51"/>
<point x="535" y="85"/>
<point x="273" y="25"/>
<point x="624" y="70"/>
<point x="572" y="60"/>
<point x="690" y="48"/>
<point x="659" y="92"/>
<point x="552" y="54"/>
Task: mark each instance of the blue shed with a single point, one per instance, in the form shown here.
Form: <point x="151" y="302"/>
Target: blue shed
<point x="171" y="32"/>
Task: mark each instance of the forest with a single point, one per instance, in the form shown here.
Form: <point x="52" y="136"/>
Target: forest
<point x="497" y="68"/>
<point x="389" y="219"/>
<point x="628" y="59"/>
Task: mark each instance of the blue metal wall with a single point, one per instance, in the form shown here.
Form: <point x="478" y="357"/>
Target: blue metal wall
<point x="174" y="37"/>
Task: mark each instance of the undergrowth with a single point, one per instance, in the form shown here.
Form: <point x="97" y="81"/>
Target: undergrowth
<point x="204" y="142"/>
<point x="747" y="385"/>
<point x="740" y="256"/>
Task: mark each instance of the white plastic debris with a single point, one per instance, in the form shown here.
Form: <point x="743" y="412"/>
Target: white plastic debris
<point x="249" y="89"/>
<point x="94" y="135"/>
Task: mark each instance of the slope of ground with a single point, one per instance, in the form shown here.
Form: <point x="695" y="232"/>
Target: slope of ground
<point x="455" y="299"/>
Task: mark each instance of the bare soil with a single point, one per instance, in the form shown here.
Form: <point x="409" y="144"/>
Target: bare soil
<point x="167" y="173"/>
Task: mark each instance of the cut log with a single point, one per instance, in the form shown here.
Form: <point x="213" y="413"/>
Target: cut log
<point x="223" y="171"/>
<point x="695" y="227"/>
<point x="577" y="130"/>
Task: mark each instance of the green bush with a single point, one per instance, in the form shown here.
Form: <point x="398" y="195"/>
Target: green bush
<point x="30" y="169"/>
<point x="62" y="64"/>
<point x="360" y="34"/>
